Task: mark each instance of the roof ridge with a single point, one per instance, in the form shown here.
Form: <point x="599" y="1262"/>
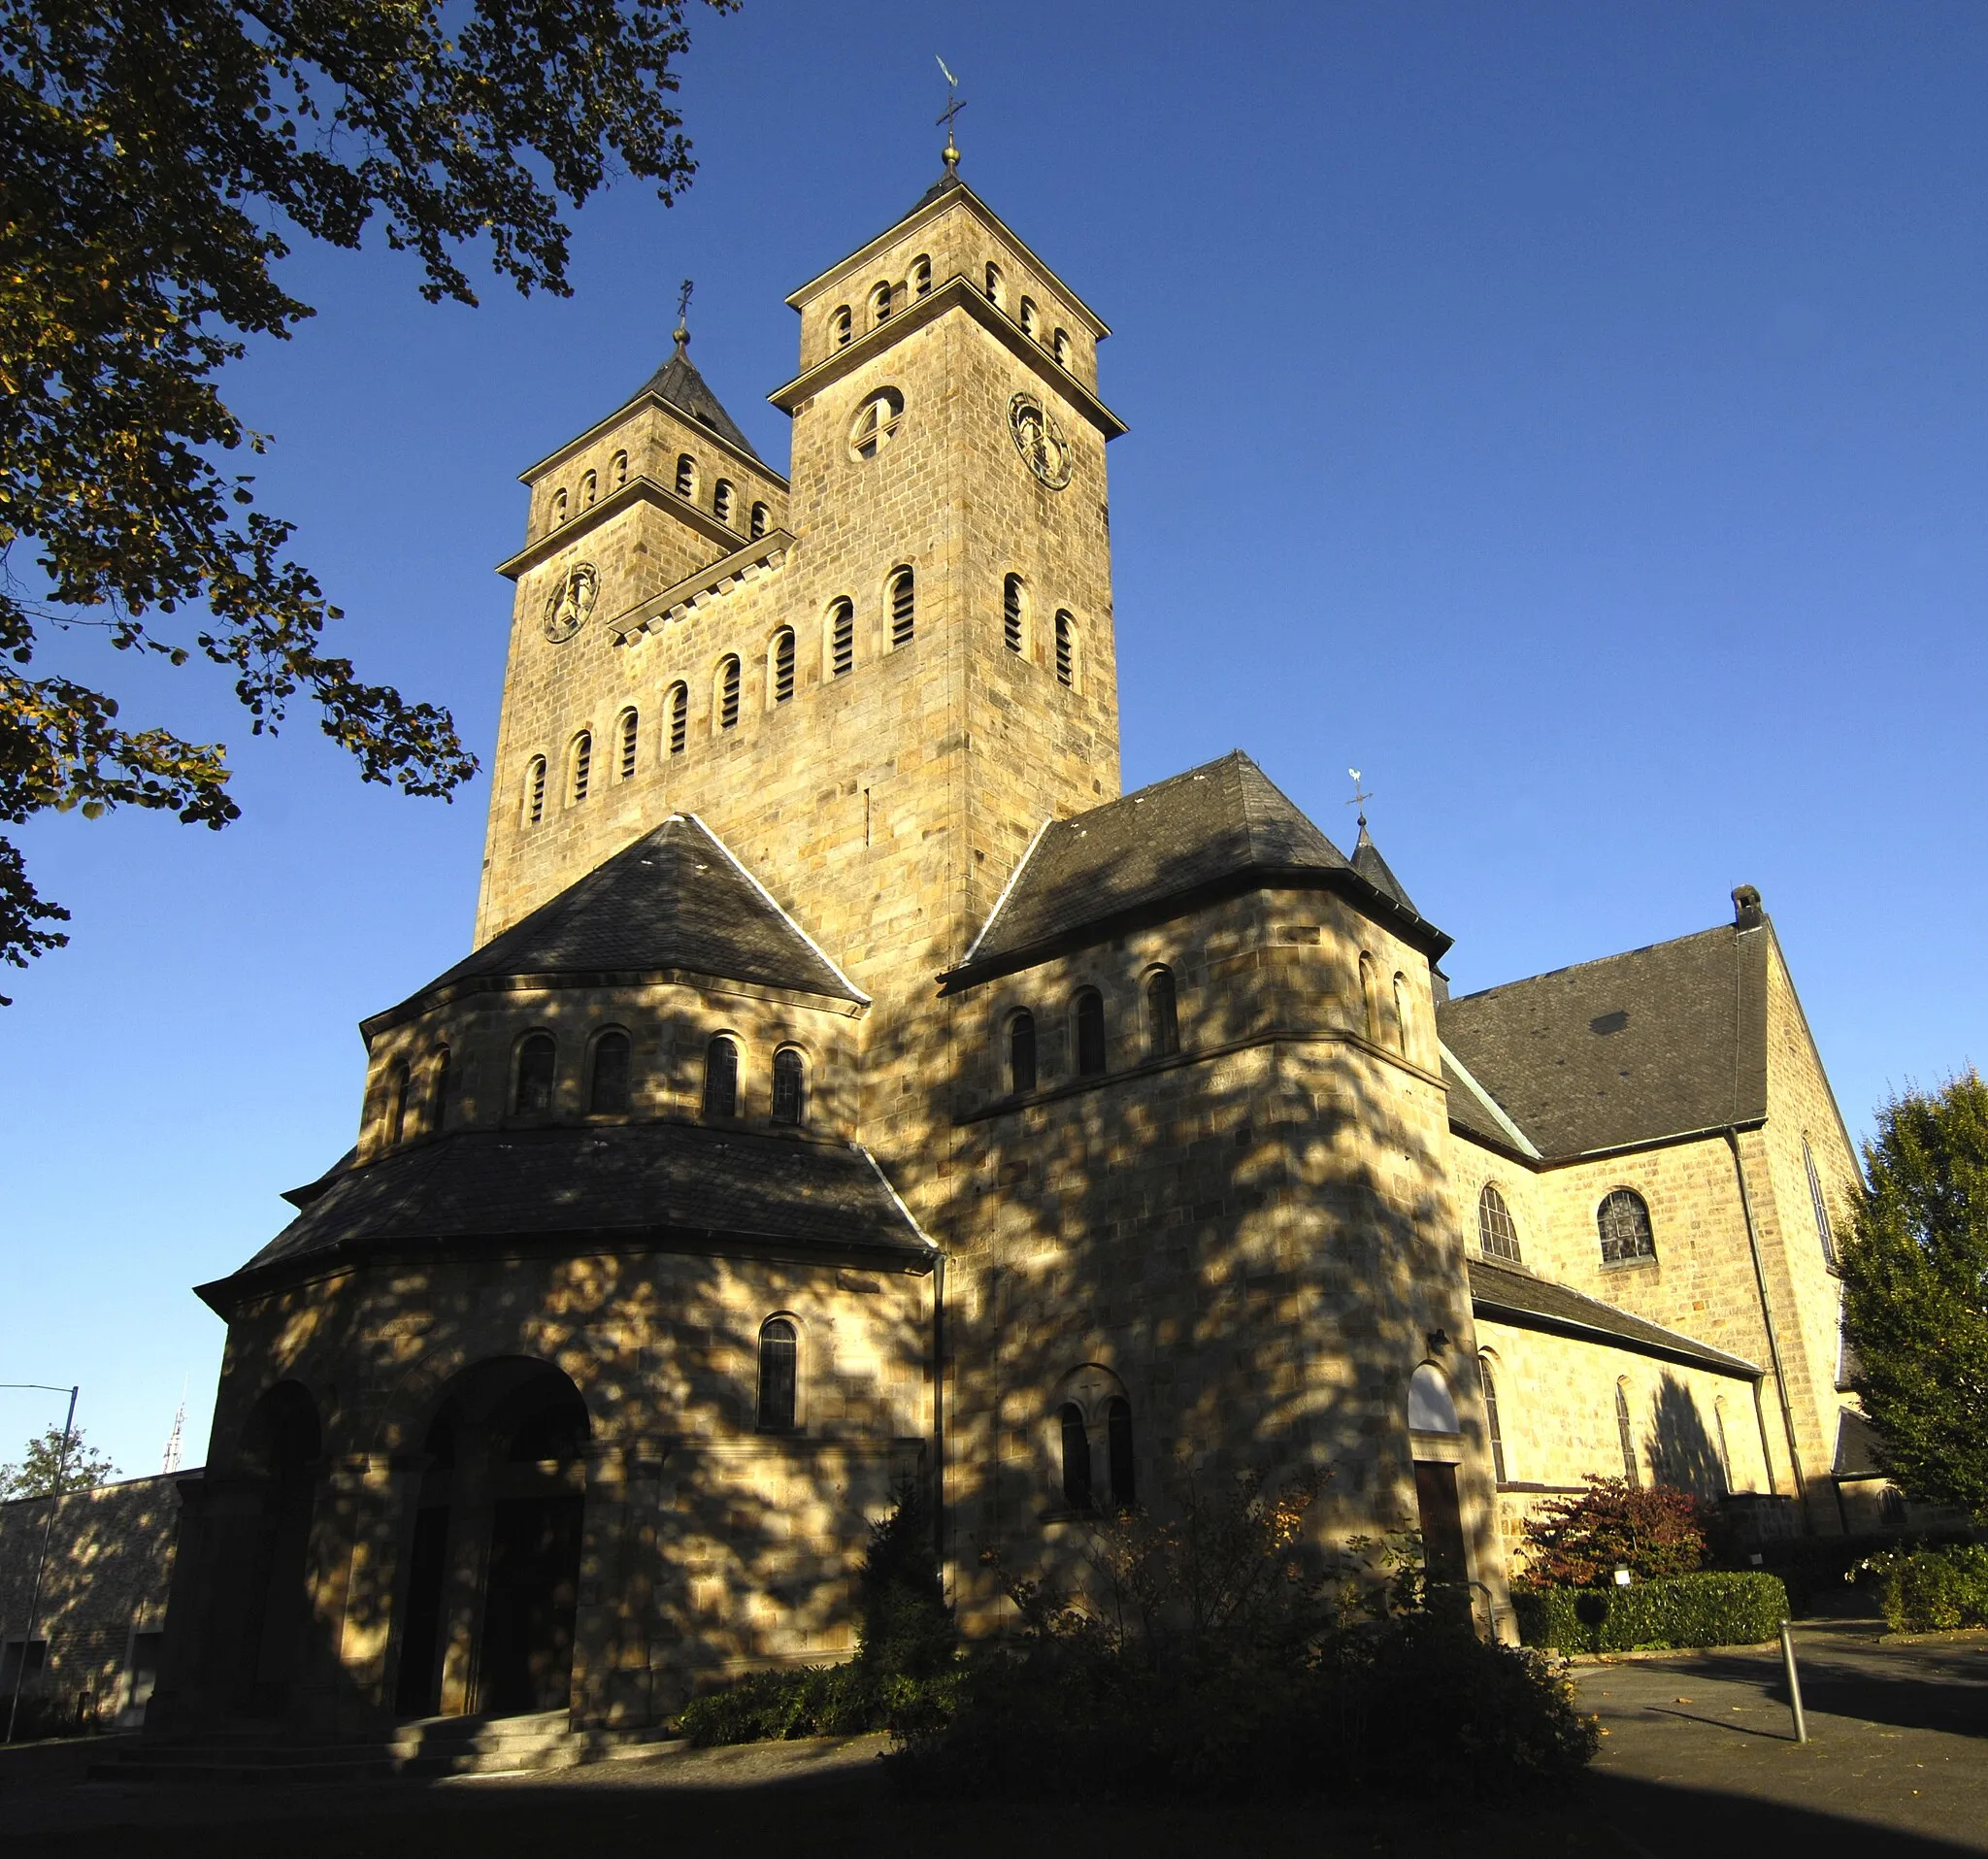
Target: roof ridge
<point x="774" y="903"/>
<point x="1593" y="961"/>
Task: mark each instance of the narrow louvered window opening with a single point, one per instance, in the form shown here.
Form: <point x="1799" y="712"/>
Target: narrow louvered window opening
<point x="841" y="326"/>
<point x="921" y="277"/>
<point x="1062" y="345"/>
<point x="1010" y="611"/>
<point x="783" y="666"/>
<point x="722" y="500"/>
<point x="1497" y="1236"/>
<point x="618" y="468"/>
<point x="903" y="609"/>
<point x="761" y="516"/>
<point x="993" y="283"/>
<point x="589" y="489"/>
<point x="582" y="765"/>
<point x="686" y="475"/>
<point x="787" y="1087"/>
<point x="631" y="726"/>
<point x="1066" y="650"/>
<point x="679" y="718"/>
<point x="1030" y="322"/>
<point x="841" y="638"/>
<point x="880" y="302"/>
<point x="728" y="694"/>
<point x="535" y="791"/>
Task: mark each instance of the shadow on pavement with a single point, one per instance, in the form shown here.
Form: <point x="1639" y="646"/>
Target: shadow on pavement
<point x="1657" y="1820"/>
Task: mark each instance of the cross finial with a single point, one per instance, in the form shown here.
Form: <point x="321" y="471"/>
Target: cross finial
<point x="953" y="105"/>
<point x="1358" y="799"/>
<point x="683" y="316"/>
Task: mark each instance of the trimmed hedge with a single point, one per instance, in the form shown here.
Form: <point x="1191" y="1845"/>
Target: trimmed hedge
<point x="1928" y="1590"/>
<point x="1708" y="1609"/>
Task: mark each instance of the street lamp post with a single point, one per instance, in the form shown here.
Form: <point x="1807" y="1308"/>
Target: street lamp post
<point x="34" y="1600"/>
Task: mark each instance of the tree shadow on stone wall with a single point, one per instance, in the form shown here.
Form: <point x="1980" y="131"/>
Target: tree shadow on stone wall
<point x="1681" y="1450"/>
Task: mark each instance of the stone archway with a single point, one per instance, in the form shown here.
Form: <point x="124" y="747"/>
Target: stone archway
<point x="493" y="1569"/>
<point x="281" y="1445"/>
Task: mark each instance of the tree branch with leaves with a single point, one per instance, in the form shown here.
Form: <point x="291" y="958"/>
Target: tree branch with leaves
<point x="156" y="157"/>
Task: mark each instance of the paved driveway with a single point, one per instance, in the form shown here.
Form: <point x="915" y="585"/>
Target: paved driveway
<point x="1700" y="1759"/>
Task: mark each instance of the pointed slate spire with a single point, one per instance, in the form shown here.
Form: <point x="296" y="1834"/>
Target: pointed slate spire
<point x="678" y="383"/>
<point x="1371" y="866"/>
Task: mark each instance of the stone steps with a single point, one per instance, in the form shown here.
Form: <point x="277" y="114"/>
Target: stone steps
<point x="427" y="1746"/>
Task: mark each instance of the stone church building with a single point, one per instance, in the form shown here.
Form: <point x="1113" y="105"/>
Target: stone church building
<point x="850" y="1085"/>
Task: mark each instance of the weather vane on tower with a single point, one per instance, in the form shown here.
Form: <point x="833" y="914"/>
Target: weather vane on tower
<point x="682" y="334"/>
<point x="953" y="105"/>
<point x="1358" y="799"/>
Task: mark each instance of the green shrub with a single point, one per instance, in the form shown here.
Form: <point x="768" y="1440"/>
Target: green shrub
<point x="1930" y="1590"/>
<point x="902" y="1675"/>
<point x="1709" y="1610"/>
<point x="1580" y="1542"/>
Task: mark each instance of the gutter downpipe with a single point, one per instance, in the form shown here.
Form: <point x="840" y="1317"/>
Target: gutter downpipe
<point x="1774" y="1341"/>
<point x="938" y="1413"/>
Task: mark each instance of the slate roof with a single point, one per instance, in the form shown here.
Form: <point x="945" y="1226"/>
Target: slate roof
<point x="1506" y="1293"/>
<point x="1469" y="1111"/>
<point x="1371" y="866"/>
<point x="1856" y="1447"/>
<point x="678" y="383"/>
<point x="1659" y="1042"/>
<point x="675" y="899"/>
<point x="626" y="1182"/>
<point x="1216" y="830"/>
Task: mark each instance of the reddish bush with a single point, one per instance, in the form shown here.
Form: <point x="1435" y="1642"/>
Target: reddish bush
<point x="1579" y="1543"/>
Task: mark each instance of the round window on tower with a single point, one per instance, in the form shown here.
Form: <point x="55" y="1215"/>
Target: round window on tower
<point x="877" y="422"/>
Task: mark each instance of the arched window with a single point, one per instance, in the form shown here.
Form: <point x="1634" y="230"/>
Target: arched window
<point x="1021" y="1052"/>
<point x="628" y="736"/>
<point x="607" y="1088"/>
<point x="1062" y="348"/>
<point x="1077" y="1456"/>
<point x="1625" y="1432"/>
<point x="1430" y="1407"/>
<point x="1491" y="1418"/>
<point x="533" y="1095"/>
<point x="1118" y="1440"/>
<point x="534" y="790"/>
<point x="686" y="475"/>
<point x="1012" y="596"/>
<point x="1820" y="1205"/>
<point x="779" y="1353"/>
<point x="677" y="704"/>
<point x="1066" y="648"/>
<point x="1031" y="321"/>
<point x="437" y="1091"/>
<point x="1401" y="1014"/>
<point x="841" y="638"/>
<point x="993" y="283"/>
<point x="1497" y="1236"/>
<point x="877" y="422"/>
<point x="397" y="1104"/>
<point x="1625" y="1227"/>
<point x="618" y="469"/>
<point x="1162" y="1014"/>
<point x="580" y="766"/>
<point x="725" y="692"/>
<point x="841" y="326"/>
<point x="762" y="519"/>
<point x="589" y="489"/>
<point x="789" y="1077"/>
<point x="721" y="1078"/>
<point x="559" y="508"/>
<point x="781" y="665"/>
<point x="1089" y="1015"/>
<point x="880" y="301"/>
<point x="921" y="276"/>
<point x="903" y="610"/>
<point x="1370" y="993"/>
<point x="721" y="499"/>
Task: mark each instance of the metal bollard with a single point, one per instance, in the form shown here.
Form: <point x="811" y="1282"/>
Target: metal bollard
<point x="1794" y="1684"/>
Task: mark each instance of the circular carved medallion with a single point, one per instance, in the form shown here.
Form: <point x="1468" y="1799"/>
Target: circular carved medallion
<point x="1040" y="440"/>
<point x="571" y="602"/>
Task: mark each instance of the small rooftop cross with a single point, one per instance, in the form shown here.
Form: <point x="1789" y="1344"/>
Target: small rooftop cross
<point x="1358" y="799"/>
<point x="682" y="333"/>
<point x="953" y="105"/>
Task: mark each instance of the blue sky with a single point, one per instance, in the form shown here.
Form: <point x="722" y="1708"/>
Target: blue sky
<point x="1569" y="416"/>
